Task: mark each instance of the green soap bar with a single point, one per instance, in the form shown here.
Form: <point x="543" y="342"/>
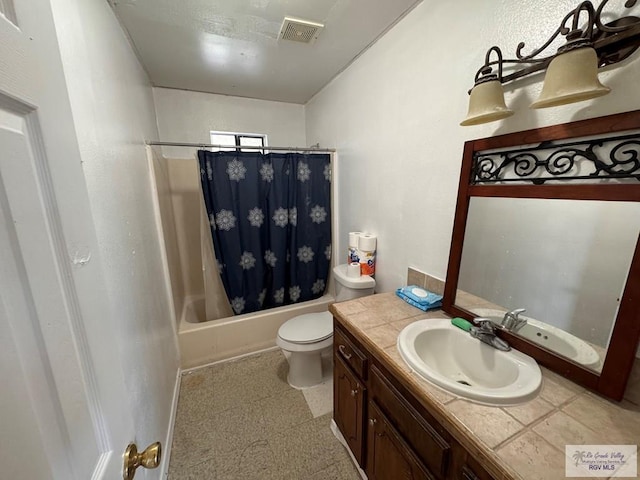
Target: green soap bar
<point x="462" y="323"/>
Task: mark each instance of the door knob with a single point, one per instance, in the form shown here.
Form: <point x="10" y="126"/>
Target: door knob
<point x="133" y="459"/>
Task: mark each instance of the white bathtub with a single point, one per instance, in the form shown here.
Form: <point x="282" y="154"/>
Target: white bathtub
<point x="205" y="342"/>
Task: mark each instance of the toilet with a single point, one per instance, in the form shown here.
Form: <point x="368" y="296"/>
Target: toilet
<point x="306" y="336"/>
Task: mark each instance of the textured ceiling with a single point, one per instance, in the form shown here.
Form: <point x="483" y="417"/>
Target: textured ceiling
<point x="231" y="47"/>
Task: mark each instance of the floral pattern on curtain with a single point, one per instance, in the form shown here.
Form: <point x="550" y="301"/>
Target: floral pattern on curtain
<point x="270" y="217"/>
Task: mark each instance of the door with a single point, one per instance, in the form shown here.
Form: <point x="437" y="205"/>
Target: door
<point x="349" y="394"/>
<point x="63" y="406"/>
<point x="388" y="455"/>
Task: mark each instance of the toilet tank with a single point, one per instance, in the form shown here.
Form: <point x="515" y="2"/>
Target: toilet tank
<point x="348" y="288"/>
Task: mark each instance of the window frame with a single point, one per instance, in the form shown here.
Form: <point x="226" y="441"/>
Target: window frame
<point x="238" y="136"/>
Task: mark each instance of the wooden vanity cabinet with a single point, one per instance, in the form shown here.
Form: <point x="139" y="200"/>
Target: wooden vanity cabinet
<point x="388" y="455"/>
<point x="349" y="393"/>
<point x="348" y="408"/>
<point x="430" y="442"/>
<point x="391" y="434"/>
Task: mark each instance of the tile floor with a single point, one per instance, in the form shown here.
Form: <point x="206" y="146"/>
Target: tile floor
<point x="240" y="420"/>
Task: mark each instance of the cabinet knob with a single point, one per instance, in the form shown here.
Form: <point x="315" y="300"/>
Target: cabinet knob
<point x="354" y="392"/>
<point x="372" y="421"/>
<point x="342" y="350"/>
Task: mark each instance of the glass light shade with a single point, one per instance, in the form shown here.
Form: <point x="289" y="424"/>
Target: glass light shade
<point x="486" y="104"/>
<point x="571" y="77"/>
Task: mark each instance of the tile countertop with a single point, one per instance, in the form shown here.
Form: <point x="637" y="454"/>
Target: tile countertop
<point x="523" y="442"/>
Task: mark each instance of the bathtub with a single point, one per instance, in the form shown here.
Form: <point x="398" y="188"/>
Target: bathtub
<point x="205" y="342"/>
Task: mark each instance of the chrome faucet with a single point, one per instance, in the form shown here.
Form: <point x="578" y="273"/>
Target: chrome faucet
<point x="512" y="321"/>
<point x="485" y="331"/>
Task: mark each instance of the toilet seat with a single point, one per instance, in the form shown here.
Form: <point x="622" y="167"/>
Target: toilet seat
<point x="307" y="329"/>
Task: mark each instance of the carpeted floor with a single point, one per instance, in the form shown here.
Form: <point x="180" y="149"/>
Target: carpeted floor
<point x="240" y="420"/>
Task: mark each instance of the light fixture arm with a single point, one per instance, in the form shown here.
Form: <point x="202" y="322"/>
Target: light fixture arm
<point x="613" y="41"/>
<point x="486" y="72"/>
<point x="608" y="28"/>
<point x="575" y="30"/>
<point x="561" y="30"/>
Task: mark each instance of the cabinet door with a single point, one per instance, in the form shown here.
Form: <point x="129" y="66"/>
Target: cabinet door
<point x="419" y="430"/>
<point x="472" y="470"/>
<point x="388" y="456"/>
<point x="348" y="407"/>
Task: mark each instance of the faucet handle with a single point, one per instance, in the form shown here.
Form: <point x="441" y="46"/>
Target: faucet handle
<point x="484" y="323"/>
<point x="518" y="311"/>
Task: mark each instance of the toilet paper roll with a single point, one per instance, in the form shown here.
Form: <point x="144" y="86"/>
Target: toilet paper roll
<point x="353" y="238"/>
<point x="352" y="256"/>
<point x="367" y="242"/>
<point x="353" y="270"/>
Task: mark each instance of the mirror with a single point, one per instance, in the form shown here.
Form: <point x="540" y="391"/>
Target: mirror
<point x="511" y="245"/>
<point x="549" y="220"/>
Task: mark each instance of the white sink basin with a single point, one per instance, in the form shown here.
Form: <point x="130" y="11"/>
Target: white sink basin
<point x="455" y="361"/>
<point x="550" y="337"/>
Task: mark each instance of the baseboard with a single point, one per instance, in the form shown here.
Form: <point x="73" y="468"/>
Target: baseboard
<point x="338" y="434"/>
<point x="166" y="448"/>
<point x="186" y="371"/>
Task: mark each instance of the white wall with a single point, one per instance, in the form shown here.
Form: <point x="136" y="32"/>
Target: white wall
<point x="393" y="116"/>
<point x="185" y="116"/>
<point x="113" y="112"/>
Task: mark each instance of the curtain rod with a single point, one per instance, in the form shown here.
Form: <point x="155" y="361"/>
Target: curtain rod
<point x="243" y="147"/>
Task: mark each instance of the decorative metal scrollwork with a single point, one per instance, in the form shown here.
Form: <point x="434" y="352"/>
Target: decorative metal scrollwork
<point x="590" y="159"/>
<point x="613" y="41"/>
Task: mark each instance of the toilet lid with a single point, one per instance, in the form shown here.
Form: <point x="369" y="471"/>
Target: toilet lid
<point x="307" y="328"/>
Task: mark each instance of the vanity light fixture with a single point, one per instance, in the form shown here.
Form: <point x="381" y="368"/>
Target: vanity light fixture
<point x="571" y="73"/>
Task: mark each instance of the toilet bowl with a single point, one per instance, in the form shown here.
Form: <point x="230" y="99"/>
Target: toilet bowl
<point x="307" y="336"/>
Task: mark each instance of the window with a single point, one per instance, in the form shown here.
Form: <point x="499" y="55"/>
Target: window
<point x="237" y="140"/>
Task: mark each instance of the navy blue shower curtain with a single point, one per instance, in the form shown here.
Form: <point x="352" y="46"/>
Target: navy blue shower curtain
<point x="270" y="217"/>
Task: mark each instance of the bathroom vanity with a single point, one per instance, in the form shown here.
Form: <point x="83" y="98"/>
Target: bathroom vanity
<point x="397" y="425"/>
<point x="389" y="427"/>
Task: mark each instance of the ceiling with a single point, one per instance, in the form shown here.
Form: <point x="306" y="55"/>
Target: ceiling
<point x="231" y="47"/>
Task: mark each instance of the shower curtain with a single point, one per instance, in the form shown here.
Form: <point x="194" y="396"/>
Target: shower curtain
<point x="270" y="219"/>
<point x="216" y="303"/>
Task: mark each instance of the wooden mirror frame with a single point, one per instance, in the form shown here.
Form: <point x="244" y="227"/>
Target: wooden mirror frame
<point x="612" y="380"/>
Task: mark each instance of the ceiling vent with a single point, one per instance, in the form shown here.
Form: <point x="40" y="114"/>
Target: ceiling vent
<point x="298" y="30"/>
